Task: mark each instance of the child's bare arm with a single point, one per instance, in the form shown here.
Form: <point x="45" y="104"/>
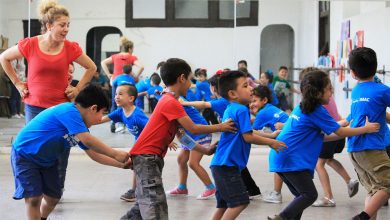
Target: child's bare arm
<point x="104" y="119"/>
<point x="103" y="159"/>
<point x="250" y="137"/>
<point x="367" y="128"/>
<point x="272" y="135"/>
<point x="197" y="104"/>
<point x="388" y="118"/>
<point x="95" y="144"/>
<point x="193" y="128"/>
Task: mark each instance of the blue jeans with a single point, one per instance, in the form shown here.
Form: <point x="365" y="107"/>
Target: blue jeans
<point x="113" y="104"/>
<point x="32" y="111"/>
<point x="301" y="185"/>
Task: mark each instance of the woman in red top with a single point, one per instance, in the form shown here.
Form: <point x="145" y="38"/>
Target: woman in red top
<point x="119" y="60"/>
<point x="48" y="57"/>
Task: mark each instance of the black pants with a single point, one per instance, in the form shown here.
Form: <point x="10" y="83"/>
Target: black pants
<point x="301" y="185"/>
<point x="210" y="117"/>
<point x="250" y="184"/>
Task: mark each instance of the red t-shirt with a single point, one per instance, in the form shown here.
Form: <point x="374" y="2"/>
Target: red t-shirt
<point x="119" y="60"/>
<point x="47" y="76"/>
<point x="160" y="131"/>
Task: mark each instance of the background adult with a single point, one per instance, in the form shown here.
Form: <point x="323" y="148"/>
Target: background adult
<point x="48" y="56"/>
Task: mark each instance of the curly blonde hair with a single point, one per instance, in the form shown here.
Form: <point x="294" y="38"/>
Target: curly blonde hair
<point x="49" y="11"/>
<point x="126" y="44"/>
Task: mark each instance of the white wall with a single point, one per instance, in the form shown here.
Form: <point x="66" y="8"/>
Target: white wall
<point x="373" y="18"/>
<point x="215" y="48"/>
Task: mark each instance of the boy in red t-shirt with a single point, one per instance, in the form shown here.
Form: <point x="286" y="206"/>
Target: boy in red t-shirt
<point x="150" y="148"/>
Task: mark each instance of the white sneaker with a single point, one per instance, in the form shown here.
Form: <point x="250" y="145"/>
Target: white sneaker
<point x="21" y="115"/>
<point x="120" y="128"/>
<point x="16" y="116"/>
<point x="272" y="197"/>
<point x="353" y="187"/>
<point x="324" y="202"/>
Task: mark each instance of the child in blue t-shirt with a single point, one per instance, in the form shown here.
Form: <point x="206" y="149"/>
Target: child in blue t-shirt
<point x="233" y="149"/>
<point x="125" y="78"/>
<point x="266" y="79"/>
<point x="267" y="115"/>
<point x="34" y="159"/>
<point x="132" y="116"/>
<point x="154" y="92"/>
<point x="219" y="105"/>
<point x="204" y="94"/>
<point x="303" y="133"/>
<point x="367" y="152"/>
<point x="193" y="158"/>
<point x="142" y="86"/>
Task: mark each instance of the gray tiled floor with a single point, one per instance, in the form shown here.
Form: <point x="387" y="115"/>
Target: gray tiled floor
<point x="93" y="190"/>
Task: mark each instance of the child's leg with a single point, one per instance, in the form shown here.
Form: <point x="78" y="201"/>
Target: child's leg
<point x="182" y="160"/>
<point x="339" y="168"/>
<point x="47" y="206"/>
<point x="278" y="183"/>
<point x="250" y="184"/>
<point x="151" y="200"/>
<point x="217" y="215"/>
<point x="232" y="213"/>
<point x="375" y="202"/>
<point x="194" y="163"/>
<point x="324" y="178"/>
<point x="302" y="186"/>
<point x="33" y="205"/>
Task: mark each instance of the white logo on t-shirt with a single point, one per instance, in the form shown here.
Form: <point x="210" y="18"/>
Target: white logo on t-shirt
<point x="295" y="117"/>
<point x="71" y="140"/>
<point x="361" y="100"/>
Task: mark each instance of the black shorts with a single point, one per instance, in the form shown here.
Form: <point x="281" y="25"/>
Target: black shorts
<point x="332" y="147"/>
<point x="231" y="190"/>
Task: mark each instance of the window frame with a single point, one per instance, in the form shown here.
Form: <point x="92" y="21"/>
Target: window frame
<point x="212" y="22"/>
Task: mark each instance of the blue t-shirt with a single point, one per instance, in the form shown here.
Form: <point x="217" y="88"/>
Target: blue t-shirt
<point x="197" y="118"/>
<point x="303" y="135"/>
<point x="123" y="79"/>
<point x="369" y="99"/>
<point x="232" y="149"/>
<point x="219" y="105"/>
<point x="47" y="135"/>
<point x="268" y="116"/>
<point x="155" y="92"/>
<point x="191" y="95"/>
<point x="142" y="86"/>
<point x="134" y="122"/>
<point x="275" y="100"/>
<point x="203" y="90"/>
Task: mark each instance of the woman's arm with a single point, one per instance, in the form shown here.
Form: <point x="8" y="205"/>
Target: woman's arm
<point x="105" y="64"/>
<point x="141" y="68"/>
<point x="90" y="70"/>
<point x="6" y="58"/>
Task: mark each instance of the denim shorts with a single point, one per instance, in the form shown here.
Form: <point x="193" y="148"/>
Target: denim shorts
<point x="33" y="180"/>
<point x="231" y="190"/>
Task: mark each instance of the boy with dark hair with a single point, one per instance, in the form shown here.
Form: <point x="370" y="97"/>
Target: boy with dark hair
<point x="154" y="92"/>
<point x="283" y="88"/>
<point x="132" y="116"/>
<point x="367" y="152"/>
<point x="125" y="78"/>
<point x="204" y="94"/>
<point x="233" y="148"/>
<point x="34" y="160"/>
<point x="242" y="64"/>
<point x="149" y="150"/>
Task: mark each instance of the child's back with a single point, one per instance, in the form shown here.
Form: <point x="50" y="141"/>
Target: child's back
<point x="52" y="127"/>
<point x="369" y="99"/>
<point x="268" y="116"/>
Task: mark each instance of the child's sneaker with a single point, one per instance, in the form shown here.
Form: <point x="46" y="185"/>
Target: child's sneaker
<point x="177" y="192"/>
<point x="353" y="187"/>
<point x="276" y="217"/>
<point x="273" y="197"/>
<point x="128" y="196"/>
<point x="208" y="193"/>
<point x="255" y="196"/>
<point x="324" y="202"/>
